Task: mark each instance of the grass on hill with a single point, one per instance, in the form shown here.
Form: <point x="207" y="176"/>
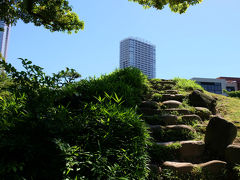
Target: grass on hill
<point x="229" y="109"/>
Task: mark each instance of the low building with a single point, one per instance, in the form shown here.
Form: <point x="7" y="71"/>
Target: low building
<point x="212" y="85"/>
<point x="232" y="80"/>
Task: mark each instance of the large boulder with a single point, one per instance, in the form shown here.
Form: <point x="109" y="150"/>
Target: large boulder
<point x="232" y="154"/>
<point x="219" y="134"/>
<point x="199" y="99"/>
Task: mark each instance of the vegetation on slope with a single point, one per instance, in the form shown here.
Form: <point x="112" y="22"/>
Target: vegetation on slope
<point x="54" y="128"/>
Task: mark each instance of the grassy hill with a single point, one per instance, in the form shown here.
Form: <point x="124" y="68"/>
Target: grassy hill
<point x="229" y="108"/>
<point x="93" y="128"/>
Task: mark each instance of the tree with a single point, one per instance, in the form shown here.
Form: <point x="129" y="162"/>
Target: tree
<point x="57" y="15"/>
<point x="178" y="6"/>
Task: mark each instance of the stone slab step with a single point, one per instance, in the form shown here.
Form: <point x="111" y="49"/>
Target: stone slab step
<point x="190" y="118"/>
<point x="161" y="119"/>
<point x="149" y="104"/>
<point x="170" y="91"/>
<point x="171" y="104"/>
<point x="214" y="166"/>
<point x="174" y="111"/>
<point x="177" y="97"/>
<point x="177" y="111"/>
<point x="172" y="132"/>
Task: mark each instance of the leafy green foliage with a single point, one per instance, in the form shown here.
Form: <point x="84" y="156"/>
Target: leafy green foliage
<point x="186" y="85"/>
<point x="232" y="93"/>
<point x="129" y="83"/>
<point x="54" y="15"/>
<point x="43" y="138"/>
<point x="57" y="15"/>
<point x="174" y="5"/>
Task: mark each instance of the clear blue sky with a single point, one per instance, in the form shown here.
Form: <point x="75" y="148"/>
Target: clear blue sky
<point x="203" y="42"/>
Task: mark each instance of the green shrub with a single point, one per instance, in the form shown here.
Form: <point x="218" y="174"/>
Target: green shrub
<point x="232" y="93"/>
<point x="186" y="85"/>
<point x="45" y="136"/>
<point x="115" y="134"/>
<point x="129" y="83"/>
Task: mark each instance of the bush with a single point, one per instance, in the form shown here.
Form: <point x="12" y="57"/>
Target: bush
<point x="186" y="85"/>
<point x="129" y="83"/>
<point x="232" y="93"/>
<point x="45" y="137"/>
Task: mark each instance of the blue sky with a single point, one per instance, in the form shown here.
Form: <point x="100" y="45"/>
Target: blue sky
<point x="203" y="42"/>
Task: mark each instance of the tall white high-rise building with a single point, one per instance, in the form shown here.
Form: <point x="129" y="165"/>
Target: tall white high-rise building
<point x="4" y="38"/>
<point x="138" y="53"/>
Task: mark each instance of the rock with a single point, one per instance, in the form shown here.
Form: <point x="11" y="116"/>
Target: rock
<point x="219" y="134"/>
<point x="199" y="99"/>
<point x="176" y="111"/>
<point x="213" y="167"/>
<point x="171" y="132"/>
<point x="149" y="111"/>
<point x="204" y="113"/>
<point x="166" y="143"/>
<point x="191" y="118"/>
<point x="177" y="97"/>
<point x="171" y="104"/>
<point x="182" y="167"/>
<point x="170" y="119"/>
<point x="180" y="127"/>
<point x="191" y="150"/>
<point x="171" y="91"/>
<point x="149" y="104"/>
<point x="161" y="119"/>
<point x="232" y="154"/>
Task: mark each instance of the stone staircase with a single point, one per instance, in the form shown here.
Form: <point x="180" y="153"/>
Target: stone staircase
<point x="170" y="124"/>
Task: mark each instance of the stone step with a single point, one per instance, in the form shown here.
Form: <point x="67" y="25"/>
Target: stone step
<point x="162" y="87"/>
<point x="176" y="111"/>
<point x="171" y="119"/>
<point x="189" y="119"/>
<point x="212" y="167"/>
<point x="172" y="132"/>
<point x="203" y="112"/>
<point x="149" y="104"/>
<point x="191" y="151"/>
<point x="177" y="97"/>
<point x="171" y="104"/>
<point x="161" y="119"/>
<point x="171" y="91"/>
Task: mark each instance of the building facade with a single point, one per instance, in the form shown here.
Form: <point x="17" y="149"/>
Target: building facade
<point x="4" y="38"/>
<point x="138" y="53"/>
<point x="232" y="80"/>
<point x="217" y="85"/>
<point x="212" y="85"/>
